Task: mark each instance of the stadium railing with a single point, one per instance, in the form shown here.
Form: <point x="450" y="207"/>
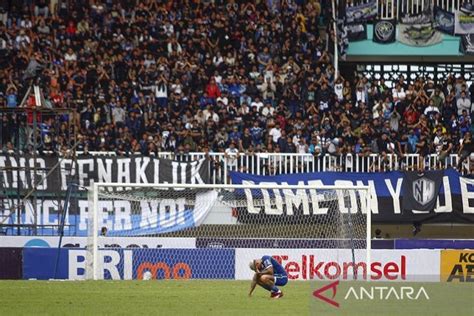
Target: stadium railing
<point x="279" y="163"/>
<point x="393" y="9"/>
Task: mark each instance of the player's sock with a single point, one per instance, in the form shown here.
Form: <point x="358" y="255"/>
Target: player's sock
<point x="275" y="289"/>
<point x="267" y="287"/>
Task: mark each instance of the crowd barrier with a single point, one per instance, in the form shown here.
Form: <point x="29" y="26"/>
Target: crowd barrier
<point x="287" y="163"/>
<point x="208" y="263"/>
<point x="445" y="260"/>
<point x="393" y="9"/>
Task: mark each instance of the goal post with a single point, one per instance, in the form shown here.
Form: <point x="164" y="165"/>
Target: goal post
<point x="242" y="216"/>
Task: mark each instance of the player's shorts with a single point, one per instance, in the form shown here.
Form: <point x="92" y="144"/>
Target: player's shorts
<point x="280" y="279"/>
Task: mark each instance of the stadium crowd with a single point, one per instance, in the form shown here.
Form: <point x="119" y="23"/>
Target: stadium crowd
<point x="223" y="76"/>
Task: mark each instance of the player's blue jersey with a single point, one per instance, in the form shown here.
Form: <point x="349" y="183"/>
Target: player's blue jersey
<point x="268" y="261"/>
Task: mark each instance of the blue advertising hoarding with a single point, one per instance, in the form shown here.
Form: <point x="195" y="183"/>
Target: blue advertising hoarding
<point x="119" y="264"/>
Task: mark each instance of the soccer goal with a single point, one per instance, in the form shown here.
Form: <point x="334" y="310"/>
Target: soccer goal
<point x="208" y="231"/>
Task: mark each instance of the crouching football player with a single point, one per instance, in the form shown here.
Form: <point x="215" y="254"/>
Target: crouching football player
<point x="268" y="274"/>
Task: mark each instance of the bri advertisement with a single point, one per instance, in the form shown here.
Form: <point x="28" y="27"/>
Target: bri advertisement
<point x="127" y="264"/>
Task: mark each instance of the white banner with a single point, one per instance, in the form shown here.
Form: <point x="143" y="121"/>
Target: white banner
<point x="105" y="242"/>
<point x="418" y="35"/>
<point x="330" y="264"/>
<point x="463" y="23"/>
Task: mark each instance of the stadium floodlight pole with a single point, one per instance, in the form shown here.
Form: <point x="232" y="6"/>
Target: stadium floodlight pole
<point x="336" y="57"/>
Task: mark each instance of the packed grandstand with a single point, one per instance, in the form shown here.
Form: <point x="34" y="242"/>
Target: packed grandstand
<point x="218" y="76"/>
<point x="237" y="143"/>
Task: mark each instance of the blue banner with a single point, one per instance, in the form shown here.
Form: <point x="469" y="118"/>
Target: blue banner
<point x="444" y="20"/>
<point x="455" y="202"/>
<point x="362" y="12"/>
<point x="158" y="215"/>
<point x="40" y="263"/>
<point x="434" y="244"/>
<point x="120" y="264"/>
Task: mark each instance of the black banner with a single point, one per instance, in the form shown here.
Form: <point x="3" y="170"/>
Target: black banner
<point x="357" y="32"/>
<point x="466" y="44"/>
<point x="11" y="263"/>
<point x="341" y="30"/>
<point x="420" y="190"/>
<point x="444" y="20"/>
<point x="454" y="203"/>
<point x="384" y="31"/>
<point x="135" y="169"/>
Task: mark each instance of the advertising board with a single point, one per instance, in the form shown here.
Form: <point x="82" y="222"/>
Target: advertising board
<point x="126" y="264"/>
<point x="331" y="264"/>
<point x="457" y="265"/>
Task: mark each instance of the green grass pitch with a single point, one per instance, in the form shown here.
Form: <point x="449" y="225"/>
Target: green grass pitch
<point x="207" y="297"/>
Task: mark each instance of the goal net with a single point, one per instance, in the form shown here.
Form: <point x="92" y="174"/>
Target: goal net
<point x="213" y="231"/>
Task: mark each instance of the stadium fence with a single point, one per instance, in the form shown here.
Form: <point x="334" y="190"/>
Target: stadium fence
<point x="280" y="163"/>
